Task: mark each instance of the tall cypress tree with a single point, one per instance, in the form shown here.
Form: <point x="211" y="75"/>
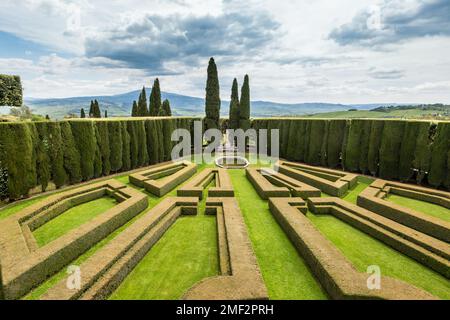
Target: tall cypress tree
<point x="244" y="105"/>
<point x="155" y="99"/>
<point x="106" y="113"/>
<point x="134" y="109"/>
<point x="165" y="109"/>
<point x="234" y="106"/>
<point x="91" y="110"/>
<point x="97" y="113"/>
<point x="82" y="113"/>
<point x="142" y="104"/>
<point x="212" y="101"/>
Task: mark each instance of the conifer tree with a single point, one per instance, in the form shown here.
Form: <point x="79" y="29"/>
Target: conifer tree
<point x="82" y="113"/>
<point x="244" y="105"/>
<point x="155" y="99"/>
<point x="106" y="113"/>
<point x="142" y="104"/>
<point x="134" y="109"/>
<point x="97" y="113"/>
<point x="212" y="101"/>
<point x="91" y="110"/>
<point x="165" y="109"/>
<point x="234" y="106"/>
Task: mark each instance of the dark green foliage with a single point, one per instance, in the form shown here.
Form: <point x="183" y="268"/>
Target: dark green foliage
<point x="96" y="109"/>
<point x="284" y="138"/>
<point x="84" y="135"/>
<point x="212" y="101"/>
<point x="316" y="134"/>
<point x="234" y="106"/>
<point x="40" y="137"/>
<point x="91" y="110"/>
<point x="82" y="113"/>
<point x="115" y="145"/>
<point x="56" y="154"/>
<point x="296" y="145"/>
<point x="168" y="127"/>
<point x="375" y="137"/>
<point x="142" y="110"/>
<point x="364" y="147"/>
<point x="405" y="169"/>
<point x="422" y="153"/>
<point x="18" y="157"/>
<point x="165" y="109"/>
<point x="447" y="179"/>
<point x="155" y="99"/>
<point x="134" y="146"/>
<point x="353" y="145"/>
<point x="126" y="145"/>
<point x="106" y="113"/>
<point x="103" y="146"/>
<point x="244" y="104"/>
<point x="336" y="131"/>
<point x="390" y="149"/>
<point x="142" y="143"/>
<point x="71" y="155"/>
<point x="47" y="117"/>
<point x="134" y="109"/>
<point x="439" y="155"/>
<point x="152" y="141"/>
<point x="324" y="149"/>
<point x="10" y="91"/>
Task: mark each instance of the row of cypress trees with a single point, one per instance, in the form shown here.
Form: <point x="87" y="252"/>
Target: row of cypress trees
<point x="94" y="111"/>
<point x="239" y="116"/>
<point x="36" y="153"/>
<point x="155" y="107"/>
<point x="390" y="149"/>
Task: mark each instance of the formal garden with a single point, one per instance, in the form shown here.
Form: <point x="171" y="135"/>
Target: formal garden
<point x="102" y="200"/>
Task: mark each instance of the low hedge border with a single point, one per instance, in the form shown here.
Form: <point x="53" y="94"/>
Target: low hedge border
<point x="103" y="272"/>
<point x="169" y="174"/>
<point x="332" y="182"/>
<point x="23" y="269"/>
<point x="196" y="186"/>
<point x="245" y="281"/>
<point x="427" y="250"/>
<point x="269" y="183"/>
<point x="373" y="199"/>
<point x="337" y="275"/>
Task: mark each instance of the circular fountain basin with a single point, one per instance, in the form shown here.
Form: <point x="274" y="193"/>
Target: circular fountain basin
<point x="232" y="162"/>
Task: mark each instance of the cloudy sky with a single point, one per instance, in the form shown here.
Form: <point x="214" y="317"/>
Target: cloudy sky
<point x="346" y="51"/>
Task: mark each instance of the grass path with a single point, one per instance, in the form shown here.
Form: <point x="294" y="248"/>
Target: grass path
<point x="424" y="207"/>
<point x="285" y="273"/>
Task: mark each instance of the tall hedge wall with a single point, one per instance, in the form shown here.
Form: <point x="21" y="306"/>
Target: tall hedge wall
<point x="35" y="154"/>
<point x="38" y="154"/>
<point x="391" y="149"/>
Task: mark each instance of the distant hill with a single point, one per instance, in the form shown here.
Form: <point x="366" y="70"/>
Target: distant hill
<point x="120" y="105"/>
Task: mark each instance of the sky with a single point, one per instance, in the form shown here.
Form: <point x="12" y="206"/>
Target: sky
<point x="346" y="51"/>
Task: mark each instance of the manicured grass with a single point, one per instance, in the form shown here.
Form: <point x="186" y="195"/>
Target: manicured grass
<point x="424" y="207"/>
<point x="13" y="208"/>
<point x="363" y="251"/>
<point x="285" y="273"/>
<point x="352" y="194"/>
<point x="72" y="219"/>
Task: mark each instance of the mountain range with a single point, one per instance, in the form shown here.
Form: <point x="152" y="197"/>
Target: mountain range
<point x="120" y="105"/>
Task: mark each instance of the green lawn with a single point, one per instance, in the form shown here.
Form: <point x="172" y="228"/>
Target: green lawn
<point x="363" y="251"/>
<point x="424" y="207"/>
<point x="71" y="219"/>
<point x="285" y="273"/>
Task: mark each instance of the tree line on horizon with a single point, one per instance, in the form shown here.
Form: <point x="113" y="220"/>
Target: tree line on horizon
<point x="155" y="107"/>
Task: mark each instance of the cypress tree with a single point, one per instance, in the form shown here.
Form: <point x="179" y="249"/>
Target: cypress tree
<point x="390" y="149"/>
<point x="152" y="141"/>
<point x="42" y="160"/>
<point x="234" y="106"/>
<point x="115" y="145"/>
<point x="316" y="133"/>
<point x="91" y="110"/>
<point x="166" y="110"/>
<point x="439" y="151"/>
<point x="168" y="126"/>
<point x="142" y="104"/>
<point x="422" y="153"/>
<point x="103" y="145"/>
<point x="97" y="113"/>
<point x="126" y="156"/>
<point x="212" y="101"/>
<point x="106" y="113"/>
<point x="353" y="145"/>
<point x="324" y="149"/>
<point x="47" y="117"/>
<point x="142" y="143"/>
<point x="373" y="156"/>
<point x="244" y="105"/>
<point x="56" y="154"/>
<point x="82" y="113"/>
<point x="134" y="147"/>
<point x="335" y="140"/>
<point x="155" y="99"/>
<point x="407" y="150"/>
<point x="84" y="135"/>
<point x="364" y="147"/>
<point x="134" y="109"/>
<point x="71" y="154"/>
